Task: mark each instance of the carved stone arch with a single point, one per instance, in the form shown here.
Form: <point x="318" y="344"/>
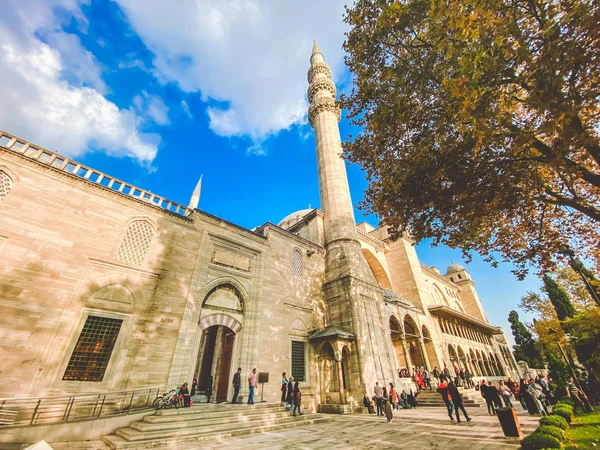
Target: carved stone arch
<point x="439" y="296"/>
<point x="220" y="319"/>
<point x="223" y="281"/>
<point x="226" y="297"/>
<point x="377" y="268"/>
<point x="115" y="292"/>
<point x="298" y="328"/>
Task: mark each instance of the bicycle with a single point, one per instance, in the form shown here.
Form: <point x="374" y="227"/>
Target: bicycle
<point x="171" y="398"/>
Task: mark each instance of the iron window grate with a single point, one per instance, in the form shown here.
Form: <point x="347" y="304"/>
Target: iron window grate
<point x="298" y="366"/>
<point x="94" y="347"/>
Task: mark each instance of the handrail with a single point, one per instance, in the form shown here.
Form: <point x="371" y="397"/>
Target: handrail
<point x="31" y="411"/>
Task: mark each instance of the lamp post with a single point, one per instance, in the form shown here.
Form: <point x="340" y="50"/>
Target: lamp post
<point x="586" y="403"/>
<point x="577" y="266"/>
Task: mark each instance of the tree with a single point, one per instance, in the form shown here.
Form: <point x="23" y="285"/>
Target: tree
<point x="559" y="298"/>
<point x="559" y="371"/>
<point x="572" y="283"/>
<point x="524" y="348"/>
<point x="479" y="123"/>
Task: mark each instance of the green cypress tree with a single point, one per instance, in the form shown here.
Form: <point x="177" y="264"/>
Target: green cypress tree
<point x="559" y="298"/>
<point x="524" y="347"/>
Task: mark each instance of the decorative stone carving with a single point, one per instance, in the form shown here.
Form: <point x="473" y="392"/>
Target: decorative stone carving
<point x="318" y="68"/>
<point x="5" y="185"/>
<point x="136" y="242"/>
<point x="323" y="85"/>
<point x="322" y="106"/>
<point x="234" y="260"/>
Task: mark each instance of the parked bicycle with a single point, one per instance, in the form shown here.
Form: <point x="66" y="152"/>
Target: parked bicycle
<point x="171" y="398"/>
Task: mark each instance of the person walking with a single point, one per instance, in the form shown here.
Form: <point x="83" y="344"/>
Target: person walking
<point x="237" y="383"/>
<point x="252" y="383"/>
<point x="457" y="400"/>
<point x="284" y="383"/>
<point x="387" y="407"/>
<point x="297" y="399"/>
<point x="393" y="396"/>
<point x="442" y="389"/>
<point x="488" y="395"/>
<point x="379" y="398"/>
<point x="506" y="393"/>
<point x="185" y="393"/>
<point x="289" y="399"/>
<point x="469" y="378"/>
<point x="427" y="378"/>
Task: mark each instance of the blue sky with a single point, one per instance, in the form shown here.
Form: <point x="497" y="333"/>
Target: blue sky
<point x="157" y="93"/>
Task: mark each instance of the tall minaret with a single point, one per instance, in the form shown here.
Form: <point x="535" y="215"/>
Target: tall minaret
<point x="354" y="299"/>
<point x="324" y="115"/>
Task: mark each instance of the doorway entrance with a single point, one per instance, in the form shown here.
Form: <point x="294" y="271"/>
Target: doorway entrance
<point x="213" y="366"/>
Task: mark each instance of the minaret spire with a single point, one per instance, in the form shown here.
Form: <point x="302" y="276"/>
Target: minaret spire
<point x="324" y="115"/>
<point x="195" y="198"/>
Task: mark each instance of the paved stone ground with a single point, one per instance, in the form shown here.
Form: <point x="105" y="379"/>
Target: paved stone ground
<point x="422" y="428"/>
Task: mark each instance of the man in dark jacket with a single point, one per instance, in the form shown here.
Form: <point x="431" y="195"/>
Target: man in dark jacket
<point x="237" y="382"/>
<point x="443" y="391"/>
<point x="458" y="401"/>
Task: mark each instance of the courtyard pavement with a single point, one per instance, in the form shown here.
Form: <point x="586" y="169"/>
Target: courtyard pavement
<point x="421" y="428"/>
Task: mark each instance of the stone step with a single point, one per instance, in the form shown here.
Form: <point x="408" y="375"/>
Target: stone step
<point x="217" y="407"/>
<point x="202" y="420"/>
<point x="186" y="413"/>
<point x="116" y="442"/>
<point x="441" y="403"/>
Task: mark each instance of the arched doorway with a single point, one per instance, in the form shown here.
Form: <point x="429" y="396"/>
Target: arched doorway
<point x="474" y="366"/>
<point x="345" y="368"/>
<point x="396" y="334"/>
<point x="411" y="332"/>
<point x="430" y="348"/>
<point x="213" y="365"/>
<point x="328" y="375"/>
<point x="462" y="359"/>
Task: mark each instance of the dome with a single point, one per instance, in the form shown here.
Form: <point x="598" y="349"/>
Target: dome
<point x="454" y="268"/>
<point x="293" y="218"/>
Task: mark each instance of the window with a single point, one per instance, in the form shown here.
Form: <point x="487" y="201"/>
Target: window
<point x="5" y="185"/>
<point x="459" y="276"/>
<point x="298" y="366"/>
<point x="136" y="243"/>
<point x="93" y="349"/>
<point x="297" y="263"/>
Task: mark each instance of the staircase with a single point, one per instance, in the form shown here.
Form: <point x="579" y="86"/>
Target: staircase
<point x="206" y="422"/>
<point x="471" y="398"/>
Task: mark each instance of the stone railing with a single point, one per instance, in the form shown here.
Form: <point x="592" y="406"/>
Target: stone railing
<point x="368" y="237"/>
<point x="67" y="165"/>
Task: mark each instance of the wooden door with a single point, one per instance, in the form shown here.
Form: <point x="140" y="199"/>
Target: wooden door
<point x="225" y="366"/>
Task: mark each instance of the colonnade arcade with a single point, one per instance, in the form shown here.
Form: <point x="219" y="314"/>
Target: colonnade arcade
<point x="476" y="361"/>
<point x="413" y="347"/>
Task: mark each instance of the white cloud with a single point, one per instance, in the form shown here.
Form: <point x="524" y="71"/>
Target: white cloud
<point x="52" y="96"/>
<point x="152" y="107"/>
<point x="250" y="54"/>
<point x="186" y="109"/>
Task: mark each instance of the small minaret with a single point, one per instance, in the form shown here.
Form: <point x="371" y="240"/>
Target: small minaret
<point x="195" y="198"/>
<point x="324" y="115"/>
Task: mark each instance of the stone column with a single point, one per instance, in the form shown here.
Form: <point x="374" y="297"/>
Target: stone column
<point x="341" y="379"/>
<point x="424" y="351"/>
<point x="406" y="354"/>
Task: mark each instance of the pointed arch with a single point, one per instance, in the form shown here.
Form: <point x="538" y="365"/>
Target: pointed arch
<point x="377" y="268"/>
<point x="220" y="319"/>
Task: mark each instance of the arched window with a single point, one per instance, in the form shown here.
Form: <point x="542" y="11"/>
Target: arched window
<point x="297" y="263"/>
<point x="136" y="242"/>
<point x="5" y="184"/>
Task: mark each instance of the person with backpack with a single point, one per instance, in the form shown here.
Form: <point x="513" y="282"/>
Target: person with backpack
<point x="442" y="389"/>
<point x="297" y="399"/>
<point x="457" y="400"/>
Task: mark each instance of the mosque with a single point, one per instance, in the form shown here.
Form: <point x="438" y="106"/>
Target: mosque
<point x="106" y="286"/>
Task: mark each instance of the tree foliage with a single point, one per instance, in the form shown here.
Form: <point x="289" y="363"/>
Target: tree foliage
<point x="524" y="348"/>
<point x="559" y="298"/>
<point x="479" y="122"/>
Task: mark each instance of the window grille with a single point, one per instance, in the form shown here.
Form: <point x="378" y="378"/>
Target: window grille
<point x="136" y="243"/>
<point x="298" y="363"/>
<point x="5" y="185"/>
<point x="94" y="347"/>
<point x="297" y="263"/>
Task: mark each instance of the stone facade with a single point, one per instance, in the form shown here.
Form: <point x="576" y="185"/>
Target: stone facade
<point x="194" y="295"/>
